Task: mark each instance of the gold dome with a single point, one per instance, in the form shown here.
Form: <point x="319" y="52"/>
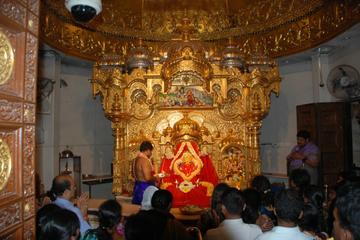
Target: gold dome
<point x="186" y="129"/>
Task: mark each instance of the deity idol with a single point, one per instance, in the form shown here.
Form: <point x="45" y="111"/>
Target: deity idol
<point x="189" y="176"/>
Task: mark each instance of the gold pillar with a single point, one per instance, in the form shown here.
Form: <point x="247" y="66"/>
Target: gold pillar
<point x="119" y="120"/>
<point x="118" y="157"/>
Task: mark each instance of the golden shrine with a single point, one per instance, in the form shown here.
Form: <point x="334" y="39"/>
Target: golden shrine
<point x="214" y="106"/>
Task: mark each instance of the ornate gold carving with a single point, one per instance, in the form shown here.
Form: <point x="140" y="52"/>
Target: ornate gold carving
<point x="12" y="139"/>
<point x="30" y="67"/>
<point x="28" y="162"/>
<point x="10" y="111"/>
<point x="278" y="27"/>
<point x="247" y="93"/>
<point x="10" y="215"/>
<point x="186" y="129"/>
<point x="33" y="23"/>
<point x="29" y="113"/>
<point x="6" y="58"/>
<point x="5" y="163"/>
<point x="29" y="207"/>
<point x="186" y="96"/>
<point x="14" y="11"/>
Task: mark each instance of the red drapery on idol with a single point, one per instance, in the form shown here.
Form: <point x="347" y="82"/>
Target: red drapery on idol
<point x="190" y="178"/>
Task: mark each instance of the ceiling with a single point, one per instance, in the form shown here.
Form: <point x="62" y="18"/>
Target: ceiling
<point x="211" y="19"/>
<point x="348" y="38"/>
<point x="351" y="37"/>
<point x="273" y="27"/>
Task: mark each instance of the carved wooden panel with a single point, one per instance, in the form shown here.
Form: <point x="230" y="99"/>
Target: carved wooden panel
<point x="29" y="113"/>
<point x="12" y="235"/>
<point x="31" y="66"/>
<point x="33" y="23"/>
<point x="29" y="229"/>
<point x="10" y="111"/>
<point x="34" y="5"/>
<point x="14" y="11"/>
<point x="13" y="86"/>
<point x="29" y="207"/>
<point x="28" y="162"/>
<point x="19" y="24"/>
<point x="12" y="137"/>
<point x="10" y="215"/>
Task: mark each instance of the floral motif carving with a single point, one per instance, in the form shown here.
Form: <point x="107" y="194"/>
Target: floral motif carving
<point x="33" y="23"/>
<point x="10" y="215"/>
<point x="10" y="236"/>
<point x="28" y="161"/>
<point x="29" y="207"/>
<point x="14" y="11"/>
<point x="10" y="111"/>
<point x="29" y="113"/>
<point x="29" y="229"/>
<point x="5" y="163"/>
<point x="6" y="58"/>
<point x="33" y="5"/>
<point x="31" y="66"/>
<point x="12" y="140"/>
<point x="282" y="31"/>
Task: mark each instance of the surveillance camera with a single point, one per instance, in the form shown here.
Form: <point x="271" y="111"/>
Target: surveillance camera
<point x="83" y="10"/>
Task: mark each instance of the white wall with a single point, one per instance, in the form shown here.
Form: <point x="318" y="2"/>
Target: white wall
<point x="76" y="120"/>
<point x="300" y="85"/>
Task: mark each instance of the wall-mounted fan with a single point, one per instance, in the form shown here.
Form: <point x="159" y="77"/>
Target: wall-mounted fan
<point x="343" y="82"/>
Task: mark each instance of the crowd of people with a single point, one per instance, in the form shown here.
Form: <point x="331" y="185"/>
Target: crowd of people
<point x="260" y="212"/>
<point x="263" y="212"/>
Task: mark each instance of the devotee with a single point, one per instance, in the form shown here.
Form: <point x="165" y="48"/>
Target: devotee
<point x="263" y="186"/>
<point x="147" y="196"/>
<point x="213" y="217"/>
<point x="143" y="171"/>
<point x="43" y="214"/>
<point x="305" y="155"/>
<point x="157" y="223"/>
<point x="62" y="224"/>
<point x="253" y="203"/>
<point x="288" y="208"/>
<point x="62" y="191"/>
<point x="347" y="213"/>
<point x="233" y="227"/>
<point x="162" y="203"/>
<point x="299" y="180"/>
<point x="311" y="222"/>
<point x="109" y="219"/>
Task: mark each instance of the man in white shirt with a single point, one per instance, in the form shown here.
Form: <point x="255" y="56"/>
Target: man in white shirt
<point x="233" y="227"/>
<point x="288" y="209"/>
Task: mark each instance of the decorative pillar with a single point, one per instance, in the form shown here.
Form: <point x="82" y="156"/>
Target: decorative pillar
<point x="119" y="120"/>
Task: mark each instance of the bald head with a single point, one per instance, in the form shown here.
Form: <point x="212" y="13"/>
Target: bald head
<point x="63" y="186"/>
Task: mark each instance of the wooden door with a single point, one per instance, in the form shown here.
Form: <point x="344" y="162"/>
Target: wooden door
<point x="333" y="139"/>
<point x="329" y="125"/>
<point x="18" y="67"/>
<point x="306" y="120"/>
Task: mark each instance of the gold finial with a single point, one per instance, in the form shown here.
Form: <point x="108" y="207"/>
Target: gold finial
<point x="186" y="129"/>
